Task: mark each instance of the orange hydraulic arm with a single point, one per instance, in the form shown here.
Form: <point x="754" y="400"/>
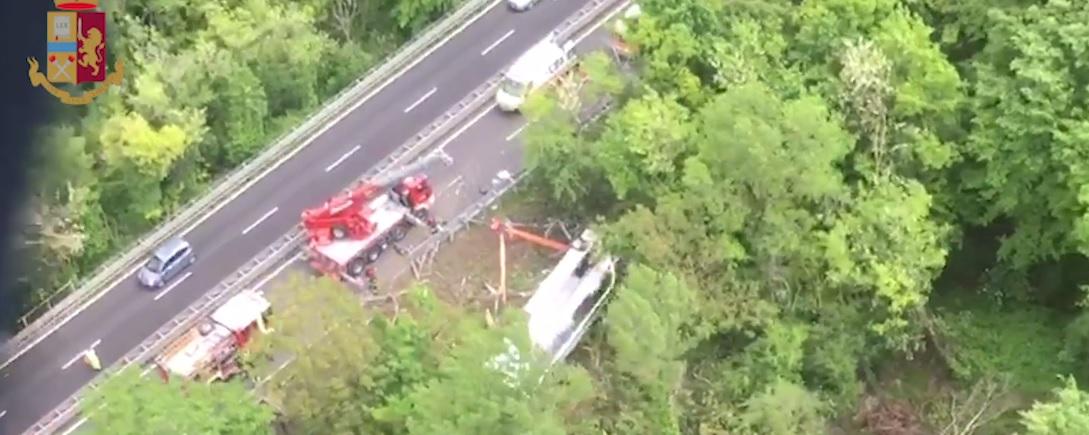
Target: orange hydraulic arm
<point x="505" y="227"/>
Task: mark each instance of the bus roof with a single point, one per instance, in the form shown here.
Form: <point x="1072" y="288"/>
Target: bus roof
<point x="535" y="61"/>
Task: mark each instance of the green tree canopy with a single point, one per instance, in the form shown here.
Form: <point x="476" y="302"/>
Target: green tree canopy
<point x="128" y="404"/>
<point x="1068" y="413"/>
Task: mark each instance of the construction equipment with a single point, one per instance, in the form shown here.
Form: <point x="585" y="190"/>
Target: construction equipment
<point x="208" y="351"/>
<point x="506" y="227"/>
<point x="352" y="230"/>
<point x="348" y="215"/>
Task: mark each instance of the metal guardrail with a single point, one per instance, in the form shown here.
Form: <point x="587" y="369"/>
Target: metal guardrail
<point x="279" y="251"/>
<point x="271" y="256"/>
<point x="462" y="220"/>
<point x="264" y="262"/>
<point x="454" y="226"/>
<point x="61" y="305"/>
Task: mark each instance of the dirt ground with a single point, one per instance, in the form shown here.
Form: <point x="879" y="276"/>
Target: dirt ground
<point x="466" y="270"/>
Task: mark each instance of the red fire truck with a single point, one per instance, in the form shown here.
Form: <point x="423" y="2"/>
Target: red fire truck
<point x="207" y="351"/>
<point x="352" y="230"/>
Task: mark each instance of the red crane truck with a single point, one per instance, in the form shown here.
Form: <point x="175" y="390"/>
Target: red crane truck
<point x="352" y="230"/>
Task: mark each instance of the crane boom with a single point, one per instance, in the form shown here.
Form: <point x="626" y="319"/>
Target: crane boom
<point x="349" y="214"/>
<point x="504" y="226"/>
<point x="389" y="179"/>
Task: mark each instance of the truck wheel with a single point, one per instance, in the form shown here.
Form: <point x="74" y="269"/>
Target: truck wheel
<point x="339" y="232"/>
<point x="356" y="267"/>
<point x="398" y="233"/>
<point x="373" y="255"/>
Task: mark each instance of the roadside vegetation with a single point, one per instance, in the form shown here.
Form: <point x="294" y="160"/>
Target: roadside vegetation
<point x="434" y="367"/>
<point x="838" y="217"/>
<point x="208" y="84"/>
<point x="820" y="199"/>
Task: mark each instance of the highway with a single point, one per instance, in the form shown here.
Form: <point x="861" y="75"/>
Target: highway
<point x="38" y="380"/>
<point x="490" y="133"/>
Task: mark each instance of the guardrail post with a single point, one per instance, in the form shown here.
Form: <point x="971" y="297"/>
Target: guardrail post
<point x="66" y="300"/>
<point x="279" y="250"/>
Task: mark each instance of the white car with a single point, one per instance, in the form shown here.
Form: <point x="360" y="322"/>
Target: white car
<point x="531" y="70"/>
<point x="521" y="5"/>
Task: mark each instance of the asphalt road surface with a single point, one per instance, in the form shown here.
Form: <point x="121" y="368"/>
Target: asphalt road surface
<point x="485" y="145"/>
<point x="481" y="147"/>
<point x="48" y="373"/>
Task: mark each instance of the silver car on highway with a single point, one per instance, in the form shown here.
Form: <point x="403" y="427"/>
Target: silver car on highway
<point x="166" y="263"/>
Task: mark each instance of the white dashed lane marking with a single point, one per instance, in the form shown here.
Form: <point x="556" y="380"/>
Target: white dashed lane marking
<point x="421" y="100"/>
<point x="343" y="158"/>
<point x="497" y="42"/>
<point x="259" y="220"/>
<point x="173" y="286"/>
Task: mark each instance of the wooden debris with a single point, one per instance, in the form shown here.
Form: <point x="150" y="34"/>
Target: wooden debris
<point x="565" y="232"/>
<point x="503" y="267"/>
<point x="488" y="318"/>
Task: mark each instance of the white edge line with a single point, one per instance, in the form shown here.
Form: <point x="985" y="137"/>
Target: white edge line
<point x="245" y="187"/>
<point x="75" y="426"/>
<point x="421" y="100"/>
<point x="594" y="27"/>
<point x="516" y="132"/>
<point x="3" y="413"/>
<point x="457" y="133"/>
<point x="276" y="272"/>
<point x="343" y="158"/>
<point x="497" y="42"/>
<point x="336" y="120"/>
<point x="173" y="286"/>
<point x="486" y="110"/>
<point x="95" y="344"/>
<point x="260" y="219"/>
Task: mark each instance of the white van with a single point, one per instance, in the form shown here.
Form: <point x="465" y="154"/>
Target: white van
<point x="531" y="70"/>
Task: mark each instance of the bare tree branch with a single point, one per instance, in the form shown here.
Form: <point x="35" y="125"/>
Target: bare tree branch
<point x="344" y="13"/>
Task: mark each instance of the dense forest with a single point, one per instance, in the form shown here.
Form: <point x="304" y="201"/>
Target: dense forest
<point x="208" y="84"/>
<point x="827" y="203"/>
<point x="837" y="216"/>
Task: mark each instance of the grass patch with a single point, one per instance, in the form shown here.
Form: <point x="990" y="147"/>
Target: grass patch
<point x="1022" y="342"/>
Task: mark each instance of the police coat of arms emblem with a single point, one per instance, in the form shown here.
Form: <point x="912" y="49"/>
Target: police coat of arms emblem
<point x="76" y="51"/>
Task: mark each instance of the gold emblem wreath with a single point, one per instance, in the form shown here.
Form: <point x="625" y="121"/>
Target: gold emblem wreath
<point x="37" y="78"/>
